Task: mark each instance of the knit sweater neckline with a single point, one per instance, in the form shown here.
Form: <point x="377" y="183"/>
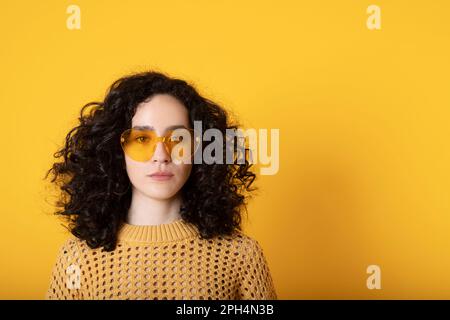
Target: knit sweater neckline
<point x="172" y="231"/>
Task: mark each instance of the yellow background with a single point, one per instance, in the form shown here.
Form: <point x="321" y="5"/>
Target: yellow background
<point x="363" y="116"/>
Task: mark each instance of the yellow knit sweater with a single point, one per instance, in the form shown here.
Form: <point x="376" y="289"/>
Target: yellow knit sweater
<point x="167" y="261"/>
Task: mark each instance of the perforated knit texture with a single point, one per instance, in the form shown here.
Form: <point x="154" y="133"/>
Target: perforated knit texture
<point x="160" y="262"/>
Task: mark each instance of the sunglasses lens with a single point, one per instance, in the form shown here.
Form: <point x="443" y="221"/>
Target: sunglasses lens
<point x="139" y="145"/>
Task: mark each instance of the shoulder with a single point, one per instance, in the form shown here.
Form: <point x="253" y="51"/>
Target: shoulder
<point x="244" y="243"/>
<point x="73" y="243"/>
<point x="71" y="248"/>
<point x="247" y="239"/>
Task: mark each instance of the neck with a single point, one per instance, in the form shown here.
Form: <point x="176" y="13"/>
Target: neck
<point x="150" y="211"/>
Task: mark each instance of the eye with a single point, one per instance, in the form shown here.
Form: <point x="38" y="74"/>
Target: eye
<point x="141" y="139"/>
<point x="176" y="138"/>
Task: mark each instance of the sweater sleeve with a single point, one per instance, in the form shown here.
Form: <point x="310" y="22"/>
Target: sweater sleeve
<point x="65" y="281"/>
<point x="256" y="281"/>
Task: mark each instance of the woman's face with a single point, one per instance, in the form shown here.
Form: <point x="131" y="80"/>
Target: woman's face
<point x="161" y="112"/>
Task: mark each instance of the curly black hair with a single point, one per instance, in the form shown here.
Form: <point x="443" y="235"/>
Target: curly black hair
<point x="95" y="188"/>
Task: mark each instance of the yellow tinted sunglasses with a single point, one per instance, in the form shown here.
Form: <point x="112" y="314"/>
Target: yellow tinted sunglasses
<point x="140" y="145"/>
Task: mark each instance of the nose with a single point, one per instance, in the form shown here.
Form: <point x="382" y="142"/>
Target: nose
<point x="161" y="154"/>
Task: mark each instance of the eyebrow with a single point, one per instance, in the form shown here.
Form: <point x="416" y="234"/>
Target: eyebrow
<point x="177" y="126"/>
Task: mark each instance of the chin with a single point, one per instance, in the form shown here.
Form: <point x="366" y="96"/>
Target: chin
<point x="161" y="194"/>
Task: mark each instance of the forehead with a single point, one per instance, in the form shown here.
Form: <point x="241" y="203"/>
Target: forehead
<point x="161" y="112"/>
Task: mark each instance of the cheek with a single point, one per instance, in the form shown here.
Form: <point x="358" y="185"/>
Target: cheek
<point x="184" y="170"/>
<point x="135" y="171"/>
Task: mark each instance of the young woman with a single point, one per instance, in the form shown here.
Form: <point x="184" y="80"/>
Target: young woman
<point x="144" y="226"/>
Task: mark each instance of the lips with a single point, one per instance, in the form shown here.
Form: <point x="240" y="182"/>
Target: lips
<point x="161" y="175"/>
